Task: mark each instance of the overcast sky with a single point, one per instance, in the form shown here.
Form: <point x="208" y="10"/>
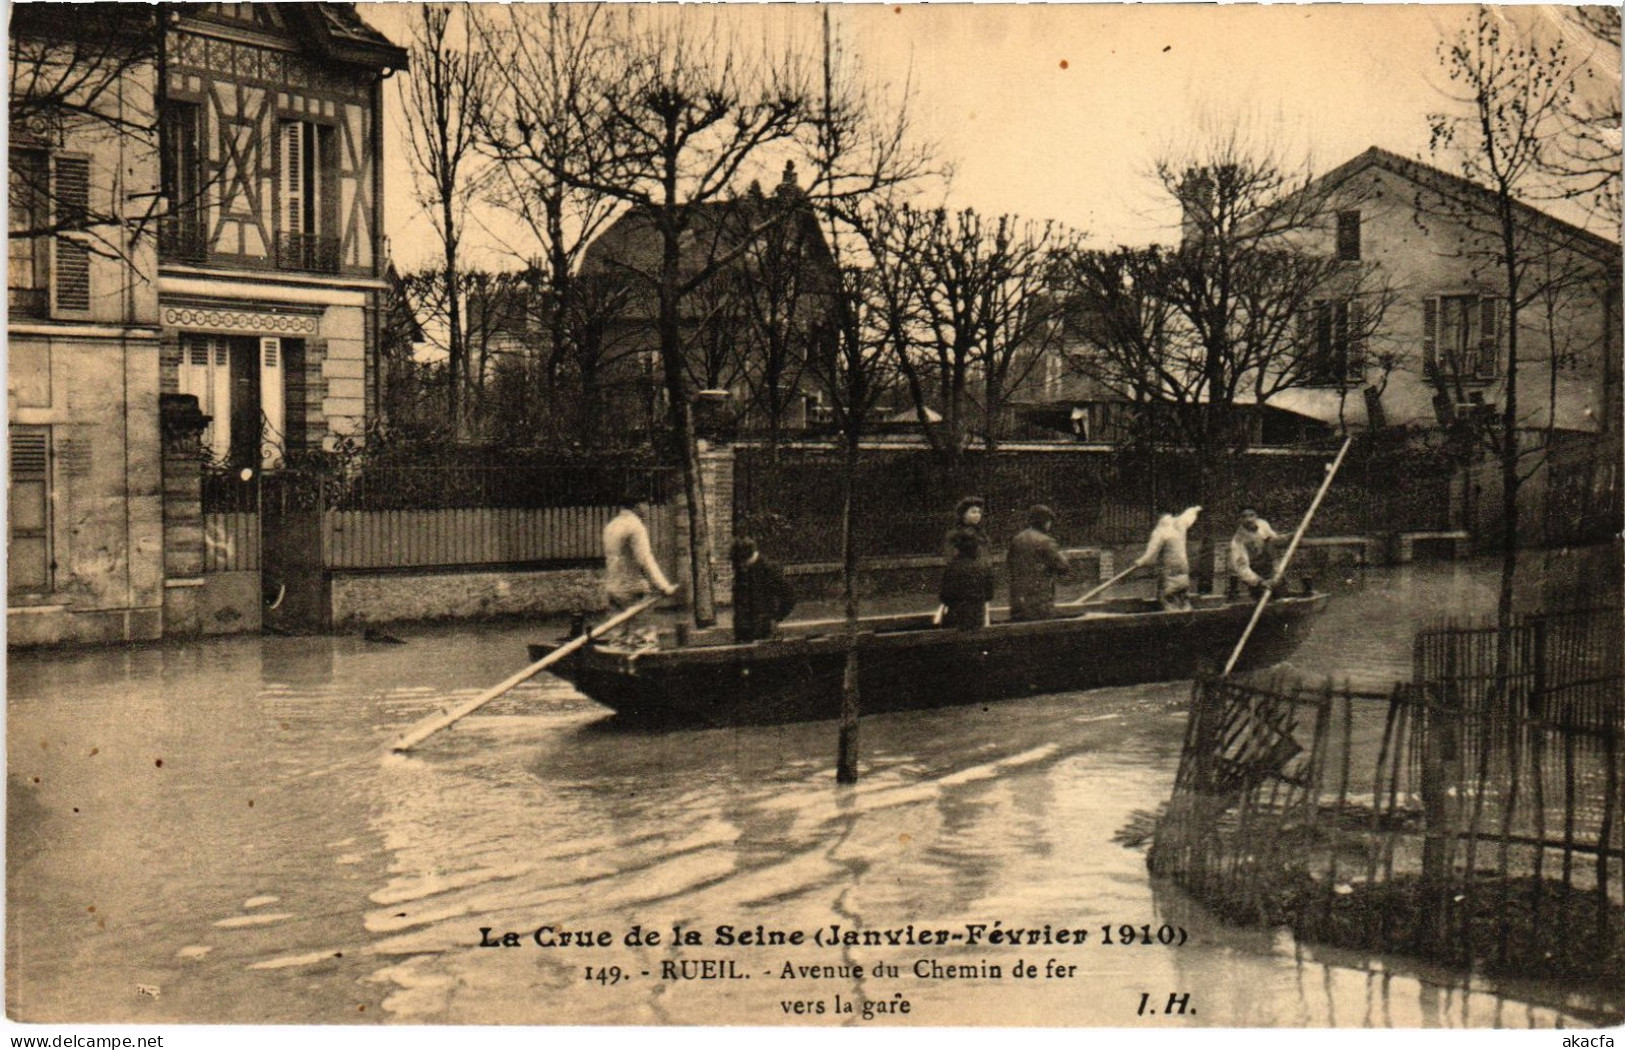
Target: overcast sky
<point x="1059" y="111"/>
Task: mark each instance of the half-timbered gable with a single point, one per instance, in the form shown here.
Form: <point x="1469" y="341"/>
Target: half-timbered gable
<point x="270" y="255"/>
<point x="273" y="139"/>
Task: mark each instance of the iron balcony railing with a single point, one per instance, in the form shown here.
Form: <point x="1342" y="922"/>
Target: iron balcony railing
<point x="181" y="239"/>
<point x="312" y="252"/>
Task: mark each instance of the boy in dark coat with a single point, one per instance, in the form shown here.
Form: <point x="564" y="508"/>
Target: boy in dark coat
<point x="1035" y="560"/>
<point x="762" y="596"/>
<point x="967" y="584"/>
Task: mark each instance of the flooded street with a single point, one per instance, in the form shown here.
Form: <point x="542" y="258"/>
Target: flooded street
<point x="214" y="832"/>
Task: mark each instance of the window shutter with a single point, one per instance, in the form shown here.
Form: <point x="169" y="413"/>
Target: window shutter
<point x="28" y="562"/>
<point x="29" y="452"/>
<point x="1430" y="337"/>
<point x="293" y="172"/>
<point x="1489" y="347"/>
<point x="72" y="192"/>
<point x="1348" y="236"/>
<point x="271" y="402"/>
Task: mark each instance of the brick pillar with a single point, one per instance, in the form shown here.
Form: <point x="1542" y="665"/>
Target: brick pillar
<point x="183" y="426"/>
<point x="717" y="481"/>
<point x="169" y="363"/>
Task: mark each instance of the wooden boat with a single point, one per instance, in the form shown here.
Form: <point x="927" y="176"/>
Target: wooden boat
<point x="905" y="662"/>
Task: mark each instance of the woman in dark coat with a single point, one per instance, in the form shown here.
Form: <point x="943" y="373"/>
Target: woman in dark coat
<point x="967" y="584"/>
<point x="967" y="521"/>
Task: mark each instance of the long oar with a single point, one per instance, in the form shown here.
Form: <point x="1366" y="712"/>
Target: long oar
<point x="1114" y="581"/>
<point x="1286" y="558"/>
<point x="419" y="734"/>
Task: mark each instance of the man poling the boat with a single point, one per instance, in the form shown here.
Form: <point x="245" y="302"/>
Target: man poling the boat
<point x="1166" y="549"/>
<point x="1252" y="559"/>
<point x="630" y="568"/>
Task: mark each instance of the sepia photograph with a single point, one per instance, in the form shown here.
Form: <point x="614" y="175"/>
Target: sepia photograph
<point x="733" y="516"/>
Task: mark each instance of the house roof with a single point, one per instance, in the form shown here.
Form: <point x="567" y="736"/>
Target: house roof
<point x="632" y="243"/>
<point x="1472" y="194"/>
<point x="344" y="35"/>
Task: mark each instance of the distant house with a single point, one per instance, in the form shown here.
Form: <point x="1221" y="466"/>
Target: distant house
<point x="195" y="210"/>
<point x="747" y="325"/>
<point x="1439" y="350"/>
<point x="1431" y="235"/>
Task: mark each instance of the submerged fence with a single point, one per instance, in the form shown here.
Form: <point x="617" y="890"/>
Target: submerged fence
<point x="1457" y="821"/>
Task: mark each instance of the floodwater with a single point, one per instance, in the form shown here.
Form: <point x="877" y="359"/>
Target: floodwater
<point x="214" y="832"/>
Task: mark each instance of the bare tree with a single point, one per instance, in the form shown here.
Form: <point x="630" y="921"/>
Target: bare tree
<point x="1586" y="158"/>
<point x="786" y="284"/>
<point x="1513" y="95"/>
<point x="1233" y="314"/>
<point x="547" y="61"/>
<point x="442" y="100"/>
<point x="689" y="111"/>
<point x="97" y="75"/>
<point x="1022" y="318"/>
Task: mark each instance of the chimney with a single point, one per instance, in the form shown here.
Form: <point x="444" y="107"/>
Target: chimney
<point x="1195" y="204"/>
<point x="789" y="185"/>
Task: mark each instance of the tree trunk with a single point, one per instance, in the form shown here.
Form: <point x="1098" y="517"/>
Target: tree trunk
<point x="846" y="768"/>
<point x="682" y="422"/>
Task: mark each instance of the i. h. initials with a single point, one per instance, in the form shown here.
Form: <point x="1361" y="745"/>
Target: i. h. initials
<point x="1178" y="1003"/>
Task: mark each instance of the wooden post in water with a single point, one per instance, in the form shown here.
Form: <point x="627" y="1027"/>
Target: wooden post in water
<point x="846" y="762"/>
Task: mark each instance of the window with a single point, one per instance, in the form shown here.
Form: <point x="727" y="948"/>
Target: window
<point x="28" y="257"/>
<point x="238" y="384"/>
<point x="182" y="234"/>
<point x="28" y="553"/>
<point x="307" y="205"/>
<point x="50" y="197"/>
<point x="1461" y="336"/>
<point x="1348" y="236"/>
<point x="1334" y="352"/>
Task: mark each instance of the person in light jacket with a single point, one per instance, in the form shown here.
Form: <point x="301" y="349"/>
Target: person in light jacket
<point x="1166" y="550"/>
<point x="630" y="569"/>
<point x="1034" y="561"/>
<point x="1252" y="559"/>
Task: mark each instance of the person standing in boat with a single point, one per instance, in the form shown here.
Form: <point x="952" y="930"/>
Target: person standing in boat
<point x="967" y="584"/>
<point x="967" y="522"/>
<point x="762" y="596"/>
<point x="630" y="569"/>
<point x="1166" y="550"/>
<point x="1035" y="561"/>
<point x="1252" y="558"/>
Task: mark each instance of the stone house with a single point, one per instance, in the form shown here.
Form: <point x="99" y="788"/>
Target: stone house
<point x="1437" y="358"/>
<point x="195" y="211"/>
<point x="1432" y="236"/>
<point x="745" y="327"/>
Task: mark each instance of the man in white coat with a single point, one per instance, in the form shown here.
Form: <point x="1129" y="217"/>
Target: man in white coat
<point x="630" y="569"/>
<point x="1252" y="559"/>
<point x="1166" y="549"/>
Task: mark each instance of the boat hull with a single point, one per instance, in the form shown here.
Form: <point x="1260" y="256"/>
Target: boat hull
<point x="799" y="678"/>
